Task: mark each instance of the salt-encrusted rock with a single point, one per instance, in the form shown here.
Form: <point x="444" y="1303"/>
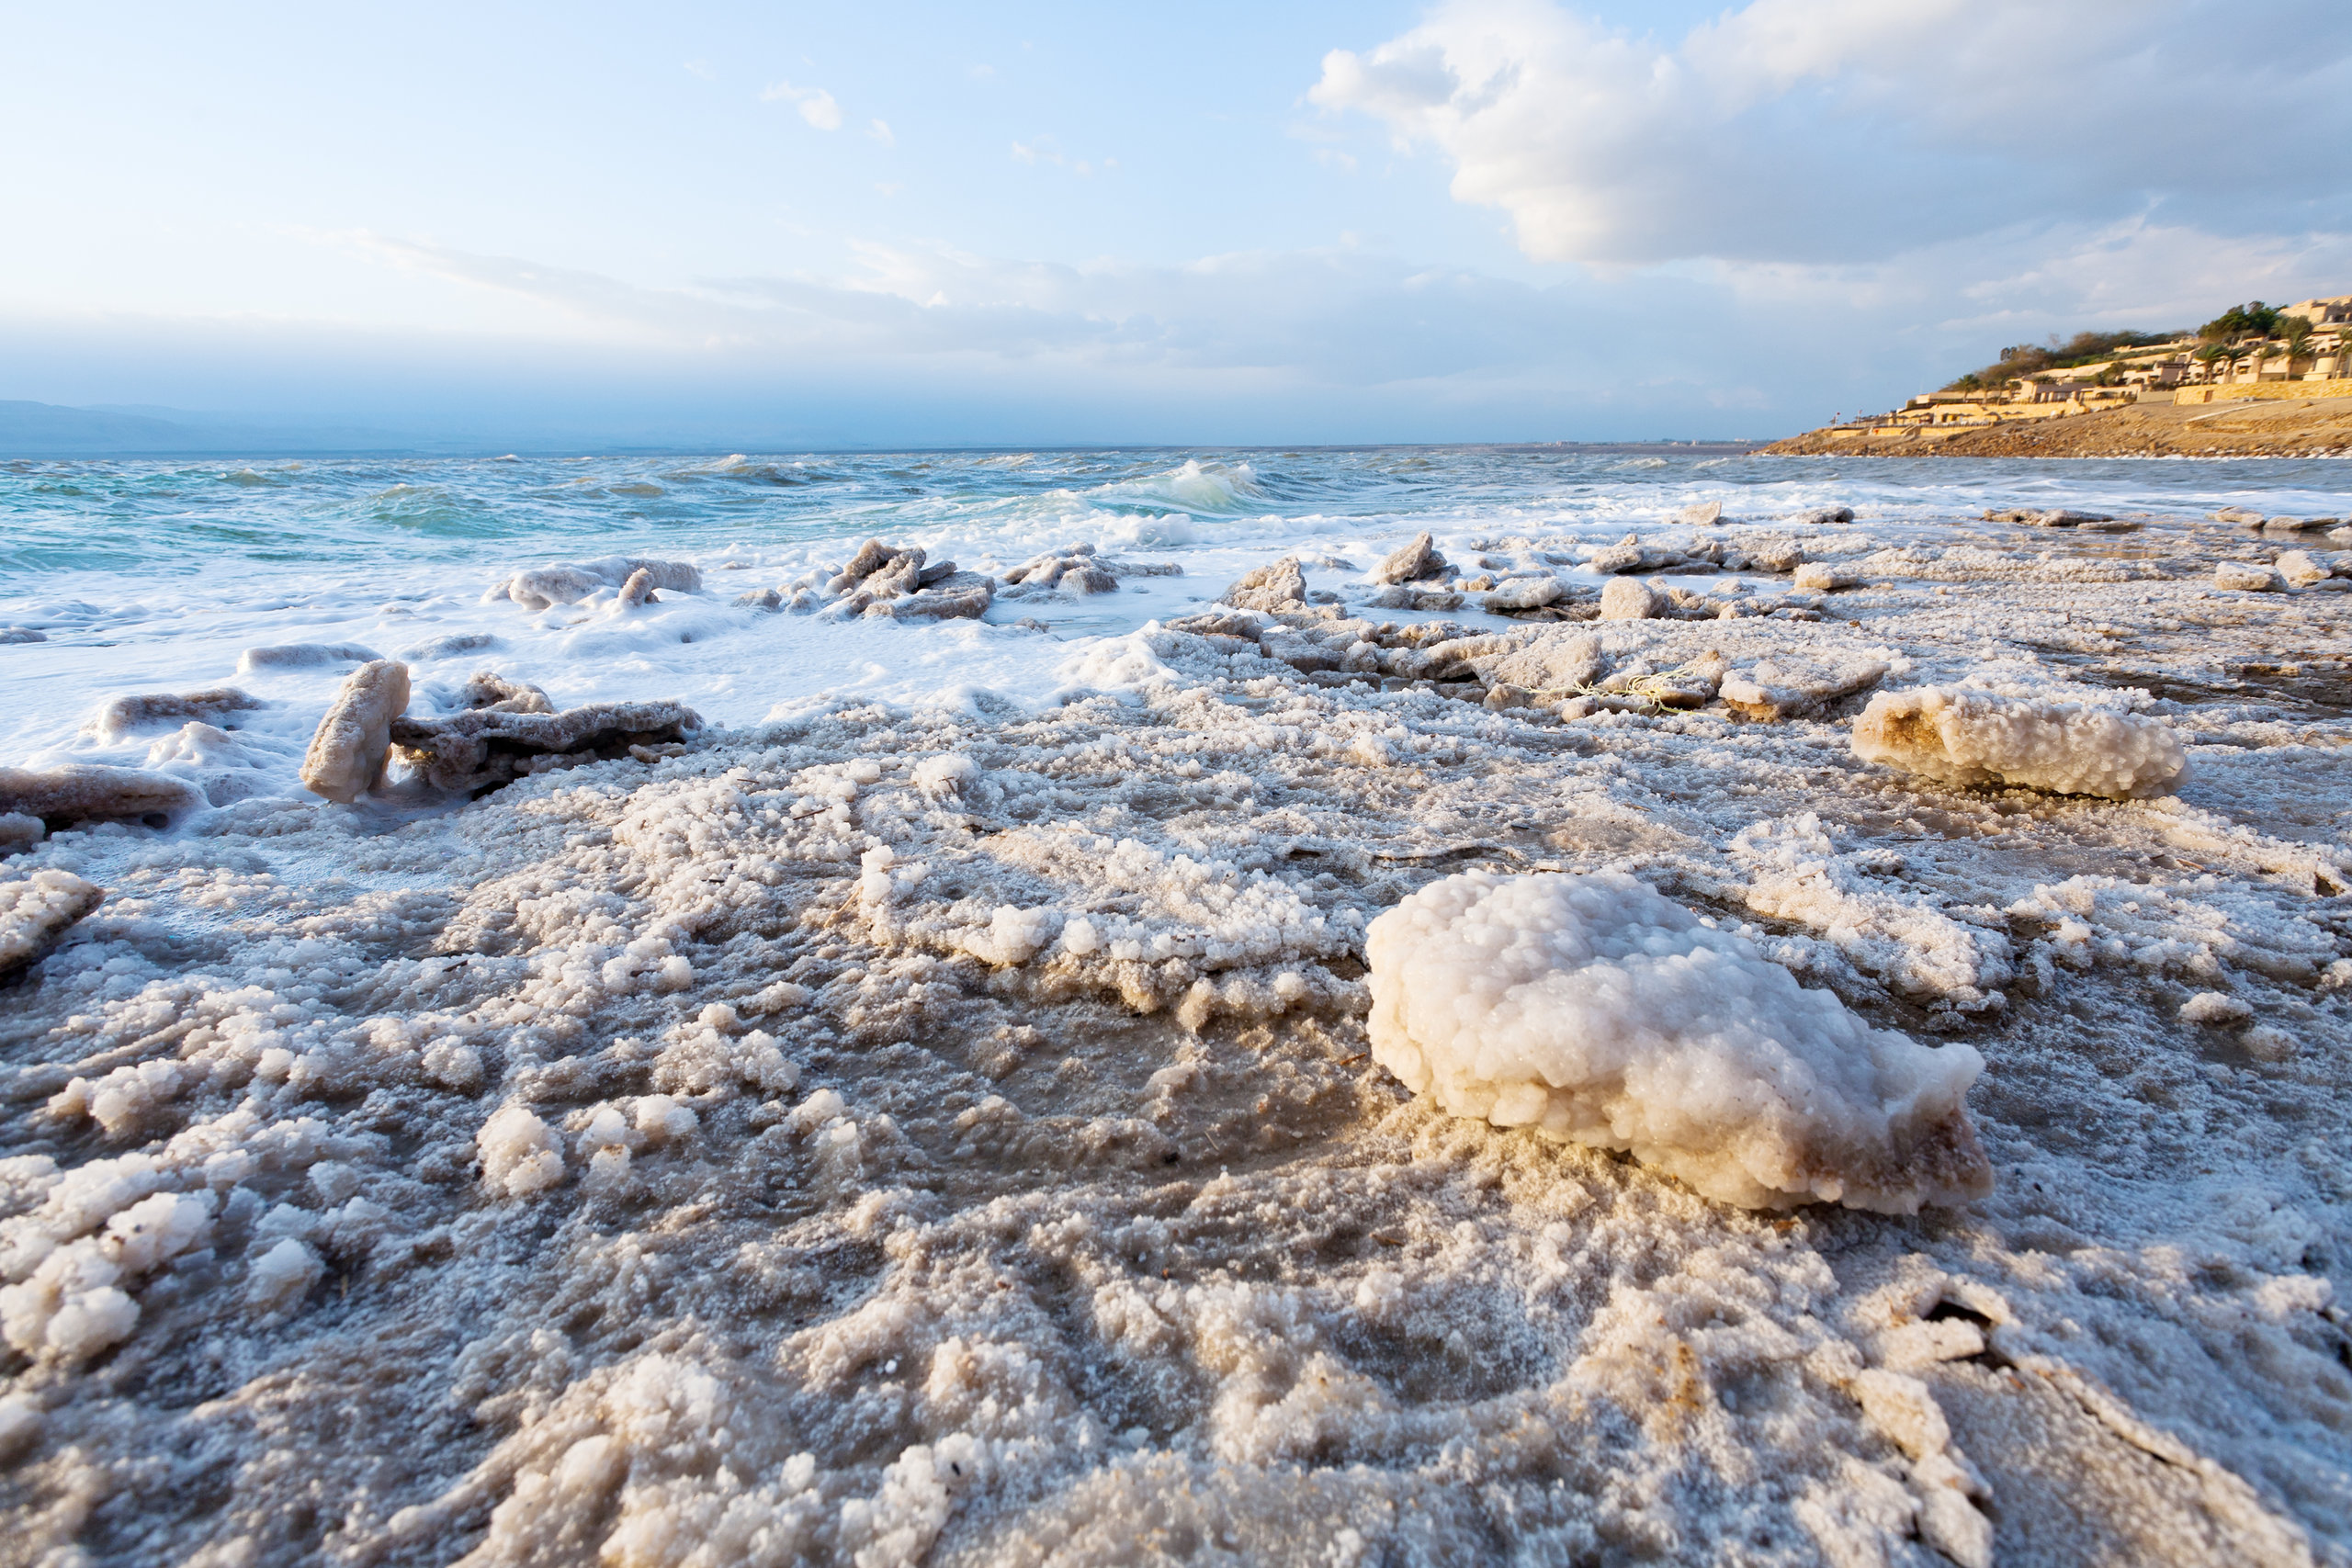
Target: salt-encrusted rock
<point x="1820" y="577"/>
<point x="1778" y="554"/>
<point x="1413" y="596"/>
<point x="1701" y="513"/>
<point x="347" y="751"/>
<point x="760" y="599"/>
<point x="1642" y="686"/>
<point x="2296" y="524"/>
<point x="1276" y="588"/>
<point x="637" y="590"/>
<point x="2246" y="576"/>
<point x="128" y="715"/>
<point x="1524" y="593"/>
<point x="1630" y="599"/>
<point x="21" y="634"/>
<point x="2302" y="569"/>
<point x="1222" y="622"/>
<point x="1298" y="650"/>
<point x="1822" y="516"/>
<point x="1963" y="737"/>
<point x="302" y="655"/>
<point x="85" y="792"/>
<point x="19" y="832"/>
<point x="544" y="587"/>
<point x="480" y="750"/>
<point x="488" y="691"/>
<point x="36" y="912"/>
<point x="1591" y="1009"/>
<point x="900" y="575"/>
<point x="2239" y="514"/>
<point x="967" y="604"/>
<point x="1555" y="662"/>
<point x="874" y="557"/>
<point x="2056" y="517"/>
<point x="1789" y="685"/>
<point x="2215" y="1010"/>
<point x="1073" y="571"/>
<point x="1417" y="561"/>
<point x="448" y="647"/>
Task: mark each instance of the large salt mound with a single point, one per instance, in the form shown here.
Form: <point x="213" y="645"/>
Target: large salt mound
<point x="1974" y="738"/>
<point x="1595" y="1011"/>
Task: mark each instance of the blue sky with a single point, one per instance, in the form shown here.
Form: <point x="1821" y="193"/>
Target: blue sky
<point x="740" y="224"/>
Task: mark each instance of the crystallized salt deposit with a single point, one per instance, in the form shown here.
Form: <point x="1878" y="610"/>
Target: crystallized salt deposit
<point x="544" y="587"/>
<point x="91" y="792"/>
<point x="638" y="1164"/>
<point x="347" y="755"/>
<point x="1593" y="1011"/>
<point x="1965" y="737"/>
<point x="36" y="912"/>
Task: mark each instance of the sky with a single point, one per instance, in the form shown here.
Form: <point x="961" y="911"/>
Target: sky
<point x="784" y="226"/>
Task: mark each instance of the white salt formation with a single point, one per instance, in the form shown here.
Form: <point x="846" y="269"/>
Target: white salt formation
<point x="90" y="792"/>
<point x="347" y="754"/>
<point x="1963" y="737"/>
<point x="544" y="587"/>
<point x="515" y="736"/>
<point x="36" y="912"/>
<point x="2246" y="576"/>
<point x="1593" y="1011"/>
<point x="1278" y="587"/>
<point x="128" y="715"/>
<point x="1416" y="561"/>
<point x="944" y="1130"/>
<point x="302" y="655"/>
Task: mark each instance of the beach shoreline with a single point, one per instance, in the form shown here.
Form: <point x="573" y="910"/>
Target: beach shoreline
<point x="949" y="1131"/>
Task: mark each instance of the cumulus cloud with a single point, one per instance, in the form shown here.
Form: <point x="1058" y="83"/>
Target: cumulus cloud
<point x="1837" y="131"/>
<point x="816" y="106"/>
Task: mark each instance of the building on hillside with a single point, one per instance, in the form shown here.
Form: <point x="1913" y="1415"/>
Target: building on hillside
<point x="2321" y="313"/>
<point x="2186" y="369"/>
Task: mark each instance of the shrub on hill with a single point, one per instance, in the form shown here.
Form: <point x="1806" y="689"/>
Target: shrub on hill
<point x="2253" y="318"/>
<point x="2024" y="359"/>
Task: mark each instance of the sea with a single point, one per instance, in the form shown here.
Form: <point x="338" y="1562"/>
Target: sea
<point x="161" y="575"/>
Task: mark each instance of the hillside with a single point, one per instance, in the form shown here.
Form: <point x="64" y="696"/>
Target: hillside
<point x="2258" y="380"/>
<point x="2298" y="428"/>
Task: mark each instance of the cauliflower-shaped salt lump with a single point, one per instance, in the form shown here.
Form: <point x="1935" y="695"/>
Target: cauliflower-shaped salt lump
<point x="1595" y="1011"/>
<point x="1974" y="738"/>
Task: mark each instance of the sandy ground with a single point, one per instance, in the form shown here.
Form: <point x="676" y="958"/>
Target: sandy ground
<point x="2286" y="428"/>
<point x="804" y="1148"/>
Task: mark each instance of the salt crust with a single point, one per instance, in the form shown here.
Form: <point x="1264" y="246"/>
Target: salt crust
<point x="1965" y="737"/>
<point x="869" y="1247"/>
<point x="36" y="912"/>
<point x="1593" y="1011"/>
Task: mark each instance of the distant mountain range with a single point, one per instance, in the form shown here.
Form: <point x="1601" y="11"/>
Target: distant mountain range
<point x="51" y="430"/>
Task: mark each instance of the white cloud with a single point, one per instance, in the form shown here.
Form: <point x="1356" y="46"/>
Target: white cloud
<point x="880" y="130"/>
<point x="1781" y="342"/>
<point x="1827" y="131"/>
<point x="816" y="106"/>
<point x="1042" y="150"/>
